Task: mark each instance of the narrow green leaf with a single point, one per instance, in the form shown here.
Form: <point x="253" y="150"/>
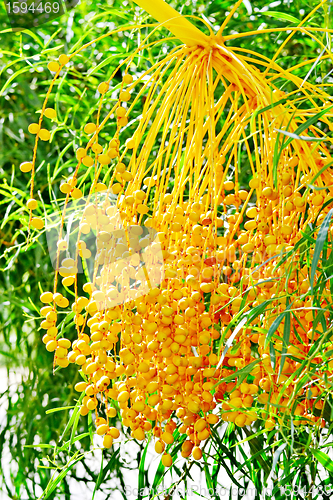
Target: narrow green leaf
<point x="77" y="438"/>
<point x="17" y="73"/>
<point x="49" y="40"/>
<point x="8" y="354"/>
<point x="270" y="106"/>
<point x="310" y="121"/>
<point x="231" y="339"/>
<point x="318" y="174"/>
<point x="53" y="410"/>
<point x="256" y="448"/>
<point x="72" y="418"/>
<point x="142" y="470"/>
<point x="158" y="477"/>
<point x="281" y="15"/>
<point x="278" y="152"/>
<point x="53" y="483"/>
<point x="209" y="479"/>
<point x="245" y="318"/>
<point x="75" y="424"/>
<point x="91" y="427"/>
<point x="276" y="157"/>
<point x="321" y="238"/>
<point x="272" y="355"/>
<point x="276" y="457"/>
<point x="109" y="467"/>
<point x="102" y="64"/>
<point x="276" y="323"/>
<point x="98" y="482"/>
<point x="301" y="137"/>
<point x="256" y="311"/>
<point x="286" y="336"/>
<point x="41" y="445"/>
<point x="240" y="374"/>
<point x="323" y="459"/>
<point x="223" y="449"/>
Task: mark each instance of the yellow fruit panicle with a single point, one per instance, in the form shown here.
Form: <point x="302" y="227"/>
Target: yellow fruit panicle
<point x="185" y="247"/>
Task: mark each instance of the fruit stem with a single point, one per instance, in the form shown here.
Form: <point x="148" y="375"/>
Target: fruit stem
<point x="181" y="27"/>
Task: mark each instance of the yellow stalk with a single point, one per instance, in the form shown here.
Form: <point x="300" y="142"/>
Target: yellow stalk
<point x="174" y="22"/>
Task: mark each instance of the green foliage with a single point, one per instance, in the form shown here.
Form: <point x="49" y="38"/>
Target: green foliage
<point x="41" y="449"/>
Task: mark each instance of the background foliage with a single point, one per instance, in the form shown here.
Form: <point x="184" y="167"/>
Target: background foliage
<point x="31" y="388"/>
